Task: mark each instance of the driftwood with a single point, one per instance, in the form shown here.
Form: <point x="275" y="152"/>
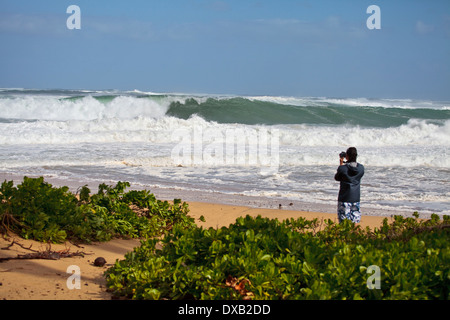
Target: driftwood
<point x="45" y="254"/>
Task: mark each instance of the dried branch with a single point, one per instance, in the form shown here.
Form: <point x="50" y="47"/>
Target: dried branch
<point x="46" y="254"/>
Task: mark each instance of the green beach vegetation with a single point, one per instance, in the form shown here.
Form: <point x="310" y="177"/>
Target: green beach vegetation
<point x="37" y="210"/>
<point x="260" y="258"/>
<point x="254" y="258"/>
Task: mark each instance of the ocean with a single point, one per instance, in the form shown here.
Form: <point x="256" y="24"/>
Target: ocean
<point x="260" y="151"/>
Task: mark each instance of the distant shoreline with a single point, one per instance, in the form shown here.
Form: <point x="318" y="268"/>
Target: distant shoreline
<point x="216" y="198"/>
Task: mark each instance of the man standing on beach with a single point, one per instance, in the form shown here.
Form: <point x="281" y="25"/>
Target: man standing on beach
<point x="349" y="174"/>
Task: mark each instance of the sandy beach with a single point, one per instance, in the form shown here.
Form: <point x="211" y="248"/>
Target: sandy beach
<point x="43" y="279"/>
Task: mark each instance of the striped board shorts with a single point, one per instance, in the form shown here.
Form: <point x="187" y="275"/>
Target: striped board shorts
<point x="350" y="211"/>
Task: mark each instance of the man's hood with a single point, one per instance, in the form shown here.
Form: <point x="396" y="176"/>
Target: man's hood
<point x="354" y="168"/>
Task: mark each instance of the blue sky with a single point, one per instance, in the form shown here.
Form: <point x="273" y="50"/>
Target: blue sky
<point x="282" y="48"/>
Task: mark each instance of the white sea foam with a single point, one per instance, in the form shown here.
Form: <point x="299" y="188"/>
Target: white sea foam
<point x="354" y="102"/>
<point x="415" y="132"/>
<point x="86" y="108"/>
<point x="301" y="144"/>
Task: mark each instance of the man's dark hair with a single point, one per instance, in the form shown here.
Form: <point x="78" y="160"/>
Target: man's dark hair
<point x="352" y="154"/>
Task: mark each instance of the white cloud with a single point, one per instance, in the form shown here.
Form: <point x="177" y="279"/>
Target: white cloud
<point x="422" y="28"/>
<point x="50" y="25"/>
<point x="219" y="6"/>
<point x="446" y="25"/>
<point x="331" y="29"/>
<point x="216" y="5"/>
<point x="133" y="29"/>
<point x="32" y="24"/>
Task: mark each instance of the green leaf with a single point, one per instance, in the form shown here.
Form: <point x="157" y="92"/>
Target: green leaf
<point x="266" y="257"/>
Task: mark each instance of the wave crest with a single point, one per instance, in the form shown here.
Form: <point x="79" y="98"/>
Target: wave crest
<point x="221" y="109"/>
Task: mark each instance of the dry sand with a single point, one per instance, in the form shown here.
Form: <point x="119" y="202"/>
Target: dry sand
<point x="42" y="279"/>
<point x="218" y="215"/>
